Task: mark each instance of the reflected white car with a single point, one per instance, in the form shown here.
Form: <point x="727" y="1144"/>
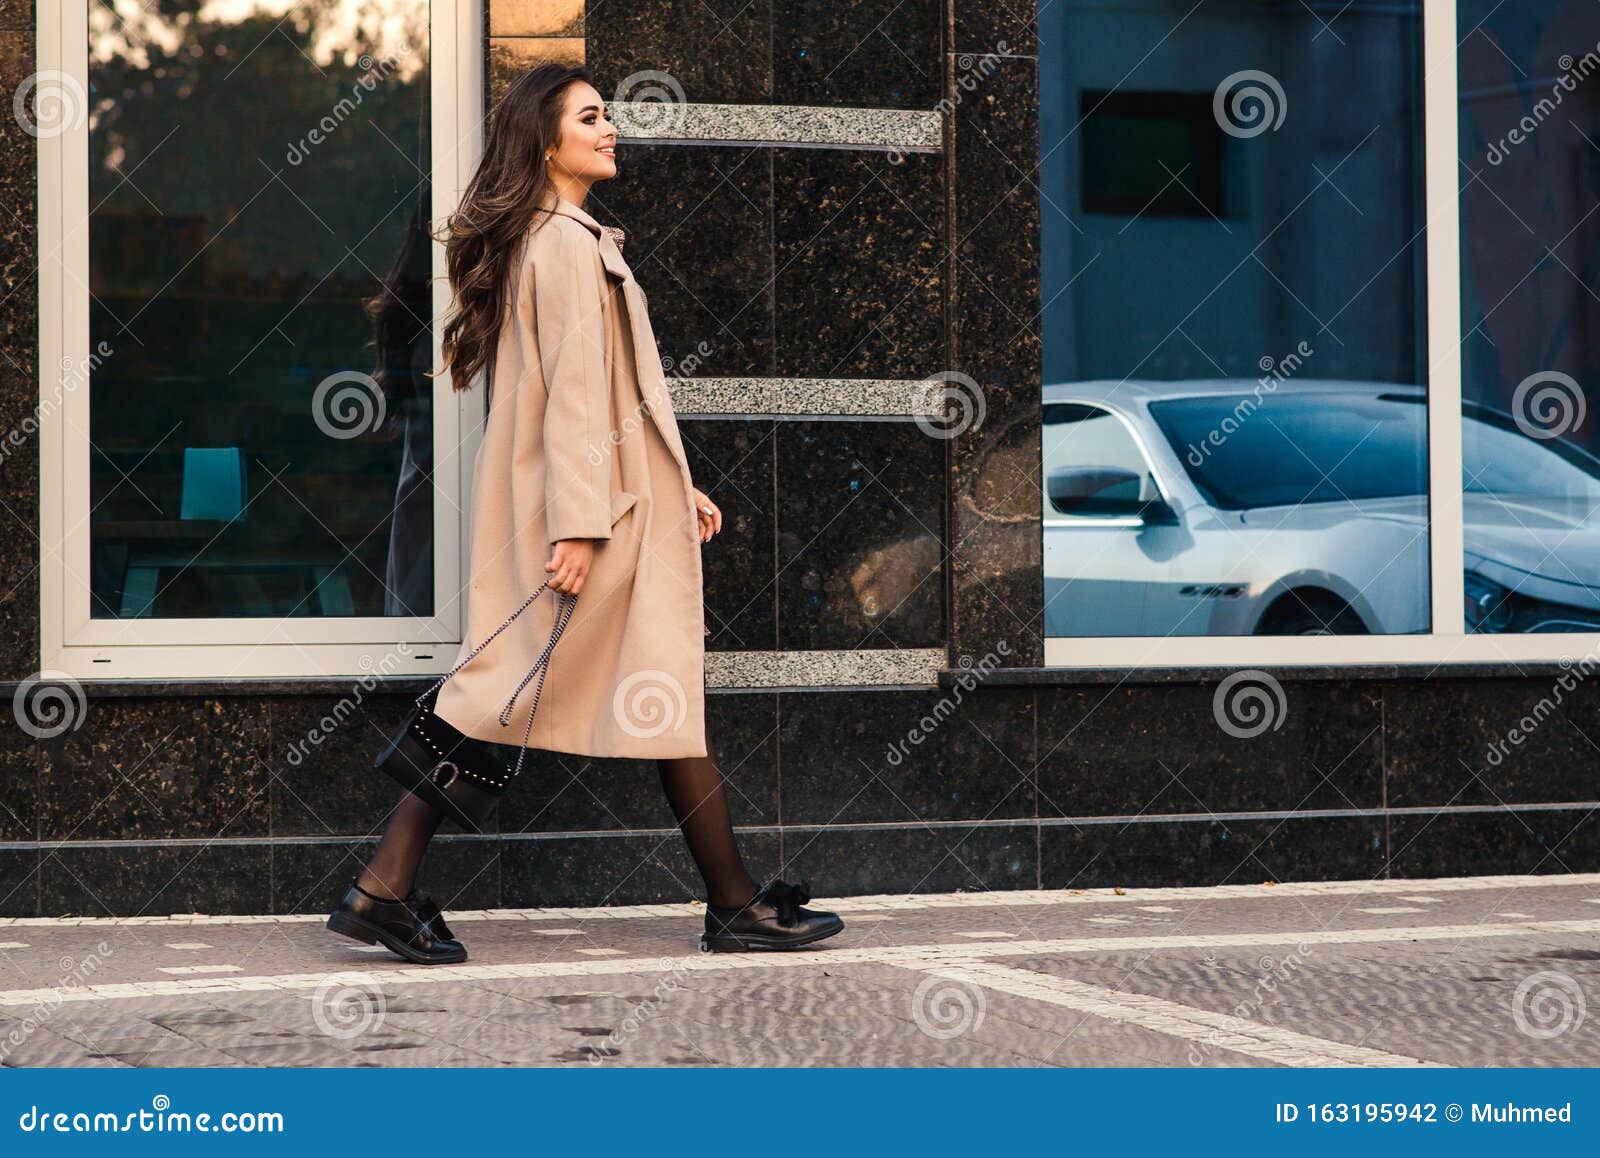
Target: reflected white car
<point x="1236" y="507"/>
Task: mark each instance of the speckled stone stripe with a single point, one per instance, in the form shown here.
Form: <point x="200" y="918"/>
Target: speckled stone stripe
<point x="851" y="397"/>
<point x="902" y="130"/>
<point x="1019" y="898"/>
<point x="868" y="667"/>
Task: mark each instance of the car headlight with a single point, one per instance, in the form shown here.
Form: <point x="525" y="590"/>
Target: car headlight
<point x="1488" y="604"/>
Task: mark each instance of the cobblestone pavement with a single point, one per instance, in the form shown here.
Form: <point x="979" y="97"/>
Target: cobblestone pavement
<point x="1473" y="971"/>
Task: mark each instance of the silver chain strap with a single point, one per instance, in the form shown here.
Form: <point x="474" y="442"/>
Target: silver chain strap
<point x="540" y="665"/>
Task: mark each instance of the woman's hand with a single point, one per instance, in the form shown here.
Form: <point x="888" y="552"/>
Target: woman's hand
<point x="570" y="562"/>
<point x="709" y="515"/>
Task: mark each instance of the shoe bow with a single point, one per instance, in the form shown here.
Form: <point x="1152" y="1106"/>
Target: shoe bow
<point x="787" y="899"/>
<point x="428" y="913"/>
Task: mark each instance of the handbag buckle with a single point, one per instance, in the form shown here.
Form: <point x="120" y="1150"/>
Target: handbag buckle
<point x="445" y="781"/>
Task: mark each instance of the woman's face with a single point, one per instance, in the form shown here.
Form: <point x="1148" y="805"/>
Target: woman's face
<point x="587" y="142"/>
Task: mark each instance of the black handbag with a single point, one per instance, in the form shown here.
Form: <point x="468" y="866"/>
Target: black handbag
<point x="457" y="774"/>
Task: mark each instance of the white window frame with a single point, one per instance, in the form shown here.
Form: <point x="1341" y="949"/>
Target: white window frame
<point x="73" y="642"/>
<point x="1449" y="641"/>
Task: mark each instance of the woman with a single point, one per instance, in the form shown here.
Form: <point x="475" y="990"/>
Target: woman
<point x="581" y="479"/>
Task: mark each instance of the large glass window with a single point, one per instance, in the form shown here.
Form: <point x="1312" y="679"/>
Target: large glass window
<point x="1529" y="76"/>
<point x="260" y="415"/>
<point x="1233" y="271"/>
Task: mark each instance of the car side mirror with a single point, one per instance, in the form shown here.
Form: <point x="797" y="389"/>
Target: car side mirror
<point x="1159" y="513"/>
<point x="1106" y="492"/>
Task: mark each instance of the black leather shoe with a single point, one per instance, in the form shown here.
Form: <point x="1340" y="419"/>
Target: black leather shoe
<point x="774" y="919"/>
<point x="412" y="927"/>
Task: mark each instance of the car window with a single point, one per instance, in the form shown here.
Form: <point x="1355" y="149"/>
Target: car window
<point x="1077" y="435"/>
<point x="1499" y="459"/>
<point x="1244" y="451"/>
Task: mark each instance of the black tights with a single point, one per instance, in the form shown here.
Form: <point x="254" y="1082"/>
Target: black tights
<point x="693" y="785"/>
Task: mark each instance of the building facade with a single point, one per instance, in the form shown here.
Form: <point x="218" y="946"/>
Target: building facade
<point x="1136" y="453"/>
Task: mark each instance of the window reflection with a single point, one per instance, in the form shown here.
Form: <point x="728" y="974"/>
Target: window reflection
<point x="261" y="429"/>
<point x="1233" y="279"/>
<point x="1530" y="261"/>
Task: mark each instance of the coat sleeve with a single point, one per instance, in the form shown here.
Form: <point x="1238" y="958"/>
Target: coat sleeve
<point x="568" y="300"/>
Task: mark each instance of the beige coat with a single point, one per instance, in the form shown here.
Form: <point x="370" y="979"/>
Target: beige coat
<point x="581" y="443"/>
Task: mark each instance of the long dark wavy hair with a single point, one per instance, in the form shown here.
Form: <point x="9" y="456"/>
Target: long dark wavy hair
<point x="499" y="206"/>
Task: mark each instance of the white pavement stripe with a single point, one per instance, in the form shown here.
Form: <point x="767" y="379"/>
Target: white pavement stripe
<point x="201" y="969"/>
<point x="1213" y="1030"/>
<point x="1021" y="898"/>
<point x="913" y="956"/>
<point x="1384" y="910"/>
<point x="188" y="945"/>
<point x="13" y="944"/>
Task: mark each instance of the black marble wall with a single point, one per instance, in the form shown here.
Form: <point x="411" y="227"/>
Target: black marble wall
<point x="987" y="787"/>
<point x="19" y="354"/>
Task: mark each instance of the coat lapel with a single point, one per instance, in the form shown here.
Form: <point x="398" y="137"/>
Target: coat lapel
<point x="652" y="383"/>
